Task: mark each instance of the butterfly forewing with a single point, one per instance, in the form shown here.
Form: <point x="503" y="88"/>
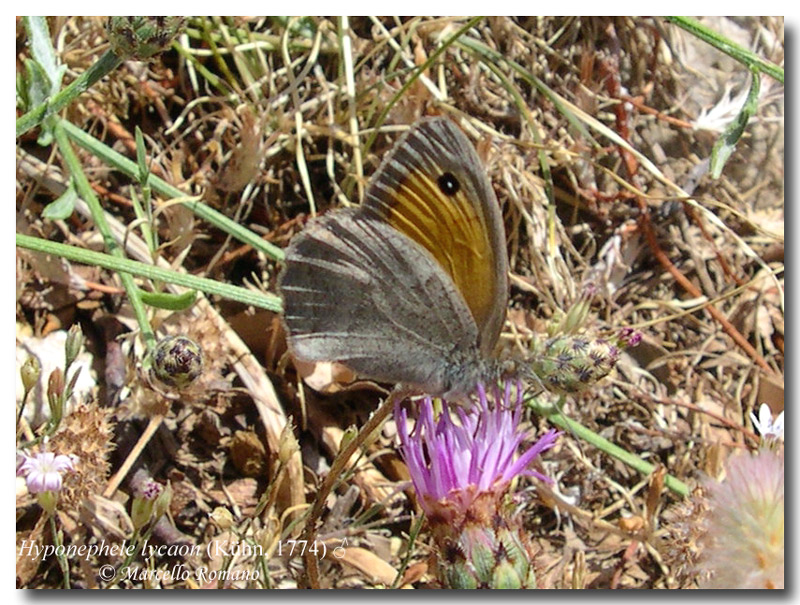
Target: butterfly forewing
<point x="433" y="188"/>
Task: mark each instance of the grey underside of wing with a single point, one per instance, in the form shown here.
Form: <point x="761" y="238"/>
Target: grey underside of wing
<point x="359" y="292"/>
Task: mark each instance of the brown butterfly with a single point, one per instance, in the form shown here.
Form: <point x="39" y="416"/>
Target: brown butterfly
<point x="411" y="287"/>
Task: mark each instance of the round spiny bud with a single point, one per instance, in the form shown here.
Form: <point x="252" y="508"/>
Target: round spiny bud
<point x="571" y="364"/>
<point x="177" y="361"/>
<point x="142" y="37"/>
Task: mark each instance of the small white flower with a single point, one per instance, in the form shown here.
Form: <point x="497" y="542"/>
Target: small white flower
<point x="764" y="424"/>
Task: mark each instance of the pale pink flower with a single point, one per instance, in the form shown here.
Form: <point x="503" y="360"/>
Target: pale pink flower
<point x="43" y="471"/>
<point x="746" y="524"/>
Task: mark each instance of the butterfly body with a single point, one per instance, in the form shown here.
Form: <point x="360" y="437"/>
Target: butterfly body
<point x="411" y="286"/>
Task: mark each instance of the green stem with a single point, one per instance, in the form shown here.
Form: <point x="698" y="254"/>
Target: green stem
<point x="219" y="220"/>
<point x="105" y="64"/>
<point x="62" y="559"/>
<point x="742" y="55"/>
<point x="132" y="551"/>
<point x="22" y="406"/>
<point x="85" y="190"/>
<point x="554" y="415"/>
<point x="131" y="267"/>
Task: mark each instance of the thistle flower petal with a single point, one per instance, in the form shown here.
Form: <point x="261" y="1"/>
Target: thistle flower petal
<point x="468" y="448"/>
<point x="462" y="465"/>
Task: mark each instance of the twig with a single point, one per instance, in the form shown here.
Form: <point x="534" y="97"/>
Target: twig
<point x="148" y="433"/>
<point x="335" y="474"/>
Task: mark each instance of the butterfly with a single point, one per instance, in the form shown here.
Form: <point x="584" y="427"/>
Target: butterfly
<point x="411" y="286"/>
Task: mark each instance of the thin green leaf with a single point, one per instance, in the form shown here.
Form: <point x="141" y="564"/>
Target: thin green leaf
<point x="729" y="47"/>
<point x="43" y="52"/>
<point x="141" y="157"/>
<point x="44" y="72"/>
<point x="63" y="206"/>
<point x="38" y="83"/>
<point x="23" y="101"/>
<point x="170" y="302"/>
<point x="36" y="113"/>
<point x="726" y="144"/>
<point x="216" y="218"/>
<point x="124" y="266"/>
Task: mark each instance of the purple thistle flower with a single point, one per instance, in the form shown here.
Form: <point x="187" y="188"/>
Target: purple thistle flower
<point x="462" y="465"/>
<point x="450" y="460"/>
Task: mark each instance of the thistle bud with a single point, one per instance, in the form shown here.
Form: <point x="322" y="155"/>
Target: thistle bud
<point x="142" y="37"/>
<point x="571" y="364"/>
<point x="177" y="361"/>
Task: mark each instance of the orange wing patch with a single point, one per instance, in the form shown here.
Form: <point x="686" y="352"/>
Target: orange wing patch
<point x="452" y="230"/>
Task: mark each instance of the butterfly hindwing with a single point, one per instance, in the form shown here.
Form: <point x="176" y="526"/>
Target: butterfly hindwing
<point x="359" y="292"/>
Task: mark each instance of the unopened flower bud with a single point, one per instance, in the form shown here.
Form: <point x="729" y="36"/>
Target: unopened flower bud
<point x="576" y="316"/>
<point x="222" y="518"/>
<point x="142" y="507"/>
<point x="30" y="371"/>
<point x="142" y="37"/>
<point x="628" y="337"/>
<point x="163" y="501"/>
<point x="141" y="510"/>
<point x="177" y="361"/>
<point x="571" y="364"/>
<point x="73" y="344"/>
<point x="287" y="445"/>
<point x="55" y="393"/>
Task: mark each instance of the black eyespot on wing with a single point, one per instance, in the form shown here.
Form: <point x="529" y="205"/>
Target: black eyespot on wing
<point x="448" y="184"/>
